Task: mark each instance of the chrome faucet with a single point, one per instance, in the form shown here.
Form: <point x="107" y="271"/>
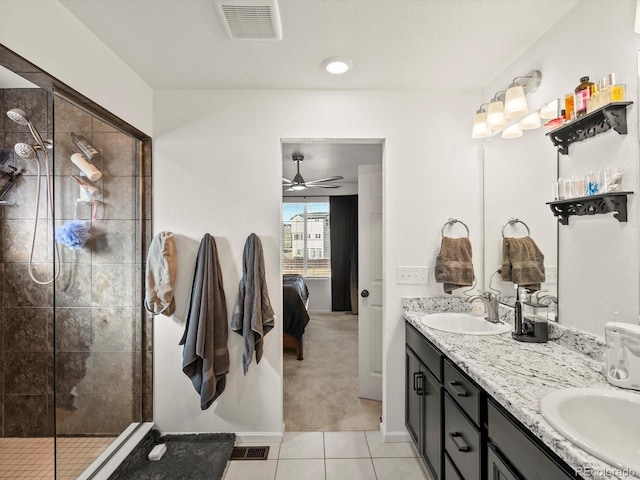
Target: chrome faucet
<point x="490" y="301"/>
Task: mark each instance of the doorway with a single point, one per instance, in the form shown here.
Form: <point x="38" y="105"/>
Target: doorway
<point x="322" y="390"/>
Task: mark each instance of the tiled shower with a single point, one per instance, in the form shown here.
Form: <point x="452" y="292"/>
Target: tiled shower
<point x="75" y="356"/>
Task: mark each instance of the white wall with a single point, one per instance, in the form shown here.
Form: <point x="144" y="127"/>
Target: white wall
<point x="48" y="35"/>
<point x="205" y="140"/>
<point x="598" y="256"/>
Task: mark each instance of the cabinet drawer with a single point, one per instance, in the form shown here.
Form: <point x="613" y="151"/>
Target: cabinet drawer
<point x="426" y="352"/>
<point x="530" y="460"/>
<point x="461" y="441"/>
<point x="450" y="472"/>
<point x="463" y="391"/>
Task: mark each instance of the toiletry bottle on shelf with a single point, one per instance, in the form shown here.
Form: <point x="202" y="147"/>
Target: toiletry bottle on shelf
<point x="89" y="152"/>
<point x="569" y="107"/>
<point x="617" y="90"/>
<point x="583" y="92"/>
<point x="605" y="91"/>
<point x="90" y="171"/>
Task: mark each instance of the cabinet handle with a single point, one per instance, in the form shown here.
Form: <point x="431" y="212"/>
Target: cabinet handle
<point x="459" y="441"/>
<point x="461" y="392"/>
<point x="418" y="386"/>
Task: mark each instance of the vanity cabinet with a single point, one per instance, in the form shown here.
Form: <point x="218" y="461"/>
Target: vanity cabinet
<point x="423" y="400"/>
<point x="460" y="431"/>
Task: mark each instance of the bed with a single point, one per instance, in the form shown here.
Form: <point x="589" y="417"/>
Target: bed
<point x="295" y="299"/>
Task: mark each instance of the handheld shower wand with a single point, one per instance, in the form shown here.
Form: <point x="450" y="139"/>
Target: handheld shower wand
<point x="29" y="153"/>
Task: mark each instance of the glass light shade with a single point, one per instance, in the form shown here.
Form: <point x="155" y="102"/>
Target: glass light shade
<point x="515" y="103"/>
<point x="480" y="129"/>
<point x="530" y="122"/>
<point x="514" y="131"/>
<point x="495" y="115"/>
<point x="550" y="110"/>
<point x="298" y="187"/>
<point x="337" y="65"/>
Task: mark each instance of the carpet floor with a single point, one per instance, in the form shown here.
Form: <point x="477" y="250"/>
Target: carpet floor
<point x="188" y="457"/>
<point x="321" y="391"/>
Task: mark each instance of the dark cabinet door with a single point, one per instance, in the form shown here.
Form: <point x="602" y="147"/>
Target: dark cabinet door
<point x="497" y="468"/>
<point x="413" y="397"/>
<point x="432" y="445"/>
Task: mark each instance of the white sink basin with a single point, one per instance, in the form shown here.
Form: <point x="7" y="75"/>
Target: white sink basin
<point x="463" y="323"/>
<point x="604" y="422"/>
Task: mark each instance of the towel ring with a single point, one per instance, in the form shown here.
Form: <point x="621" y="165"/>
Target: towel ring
<point x="516" y="220"/>
<point x="451" y="221"/>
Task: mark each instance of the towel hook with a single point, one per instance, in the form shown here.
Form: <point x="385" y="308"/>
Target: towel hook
<point x="451" y="221"/>
<point x="513" y="220"/>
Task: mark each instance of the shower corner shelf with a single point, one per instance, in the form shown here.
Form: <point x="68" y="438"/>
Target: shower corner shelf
<point x="596" y="204"/>
<point x="613" y="115"/>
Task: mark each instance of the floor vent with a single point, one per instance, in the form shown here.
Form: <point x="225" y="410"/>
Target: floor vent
<point x="250" y="19"/>
<point x="249" y="453"/>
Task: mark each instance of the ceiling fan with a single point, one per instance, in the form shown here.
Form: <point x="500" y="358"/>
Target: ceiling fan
<point x="298" y="182"/>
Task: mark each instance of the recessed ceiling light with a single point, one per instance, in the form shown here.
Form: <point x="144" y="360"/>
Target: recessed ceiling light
<point x="337" y="65"/>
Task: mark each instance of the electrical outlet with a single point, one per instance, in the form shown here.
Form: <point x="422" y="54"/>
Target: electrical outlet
<point x="412" y="275"/>
<point x="551" y="274"/>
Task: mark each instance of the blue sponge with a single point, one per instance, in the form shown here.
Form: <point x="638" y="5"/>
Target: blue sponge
<point x="74" y="234"/>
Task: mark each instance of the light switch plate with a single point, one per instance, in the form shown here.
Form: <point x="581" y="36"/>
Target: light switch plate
<point x="412" y="275"/>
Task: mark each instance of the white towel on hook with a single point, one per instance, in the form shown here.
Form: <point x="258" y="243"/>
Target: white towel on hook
<point x="160" y="275"/>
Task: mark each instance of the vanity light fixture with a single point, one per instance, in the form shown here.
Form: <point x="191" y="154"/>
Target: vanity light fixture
<point x="514" y="131"/>
<point x="337" y="65"/>
<point x="495" y="113"/>
<point x="480" y="128"/>
<point x="515" y="103"/>
<point x="530" y="122"/>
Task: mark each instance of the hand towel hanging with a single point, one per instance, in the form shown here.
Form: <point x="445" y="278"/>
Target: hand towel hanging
<point x="161" y="274"/>
<point x="253" y="316"/>
<point x="205" y="358"/>
<point x="522" y="262"/>
<point x="454" y="267"/>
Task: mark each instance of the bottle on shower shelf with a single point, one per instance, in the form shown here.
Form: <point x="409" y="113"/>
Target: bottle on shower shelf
<point x="88" y="150"/>
<point x="89" y="170"/>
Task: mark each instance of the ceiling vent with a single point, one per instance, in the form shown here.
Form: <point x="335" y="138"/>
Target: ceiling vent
<point x="250" y="19"/>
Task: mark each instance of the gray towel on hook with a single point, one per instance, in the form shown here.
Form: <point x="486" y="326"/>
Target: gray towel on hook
<point x="205" y="358"/>
<point x="161" y="274"/>
<point x="454" y="267"/>
<point x="252" y="316"/>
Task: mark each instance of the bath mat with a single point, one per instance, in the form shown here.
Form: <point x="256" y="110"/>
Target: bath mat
<point x="188" y="457"/>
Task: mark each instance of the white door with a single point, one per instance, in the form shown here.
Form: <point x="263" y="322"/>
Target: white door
<point x="370" y="281"/>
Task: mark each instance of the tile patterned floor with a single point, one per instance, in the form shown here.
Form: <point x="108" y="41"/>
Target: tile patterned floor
<point x="32" y="458"/>
<point x="331" y="456"/>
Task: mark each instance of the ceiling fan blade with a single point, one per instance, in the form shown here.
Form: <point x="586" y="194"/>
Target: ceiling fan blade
<point x="328" y="179"/>
<point x="286" y="180"/>
<point x="323" y="186"/>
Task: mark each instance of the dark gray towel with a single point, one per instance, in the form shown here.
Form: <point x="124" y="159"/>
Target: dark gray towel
<point x="205" y="358"/>
<point x="454" y="267"/>
<point x="252" y="316"/>
<point x="522" y="262"/>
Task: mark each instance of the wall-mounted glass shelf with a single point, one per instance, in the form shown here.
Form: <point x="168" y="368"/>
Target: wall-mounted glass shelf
<point x="613" y="115"/>
<point x="596" y="204"/>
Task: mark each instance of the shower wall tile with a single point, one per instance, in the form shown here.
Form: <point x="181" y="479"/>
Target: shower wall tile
<point x="27" y="329"/>
<point x="73" y="376"/>
<point x="3" y="109"/>
<point x="69" y="118"/>
<point x="113" y="329"/>
<point x="73" y="329"/>
<point x="117" y="151"/>
<point x="147" y="408"/>
<point x="98" y="414"/>
<point x="117" y="196"/>
<point x="112" y="368"/>
<point x="113" y="285"/>
<point x="73" y="285"/>
<point x="17" y="241"/>
<point x="24" y="196"/>
<point x="33" y="101"/>
<point x="21" y="291"/>
<point x="27" y="373"/>
<point x="100" y="126"/>
<point x="26" y="416"/>
<point x="114" y="241"/>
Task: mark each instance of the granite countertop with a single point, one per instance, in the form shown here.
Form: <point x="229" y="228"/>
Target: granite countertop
<point x="517" y="375"/>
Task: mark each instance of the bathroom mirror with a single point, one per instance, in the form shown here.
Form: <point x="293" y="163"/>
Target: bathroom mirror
<point x="518" y="178"/>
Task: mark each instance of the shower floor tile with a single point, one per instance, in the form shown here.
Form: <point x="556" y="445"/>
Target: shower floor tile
<point x="32" y="458"/>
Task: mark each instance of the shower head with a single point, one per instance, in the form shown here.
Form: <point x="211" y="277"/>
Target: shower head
<point x="18" y="116"/>
<point x="25" y="151"/>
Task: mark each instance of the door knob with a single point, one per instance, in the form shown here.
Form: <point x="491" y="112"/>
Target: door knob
<point x="364" y="293"/>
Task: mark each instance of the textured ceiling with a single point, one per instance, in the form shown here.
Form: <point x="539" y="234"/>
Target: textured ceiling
<point x="395" y="44"/>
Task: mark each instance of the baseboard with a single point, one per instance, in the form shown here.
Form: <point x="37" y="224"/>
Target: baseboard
<point x="394" y="437"/>
<point x="258" y="437"/>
